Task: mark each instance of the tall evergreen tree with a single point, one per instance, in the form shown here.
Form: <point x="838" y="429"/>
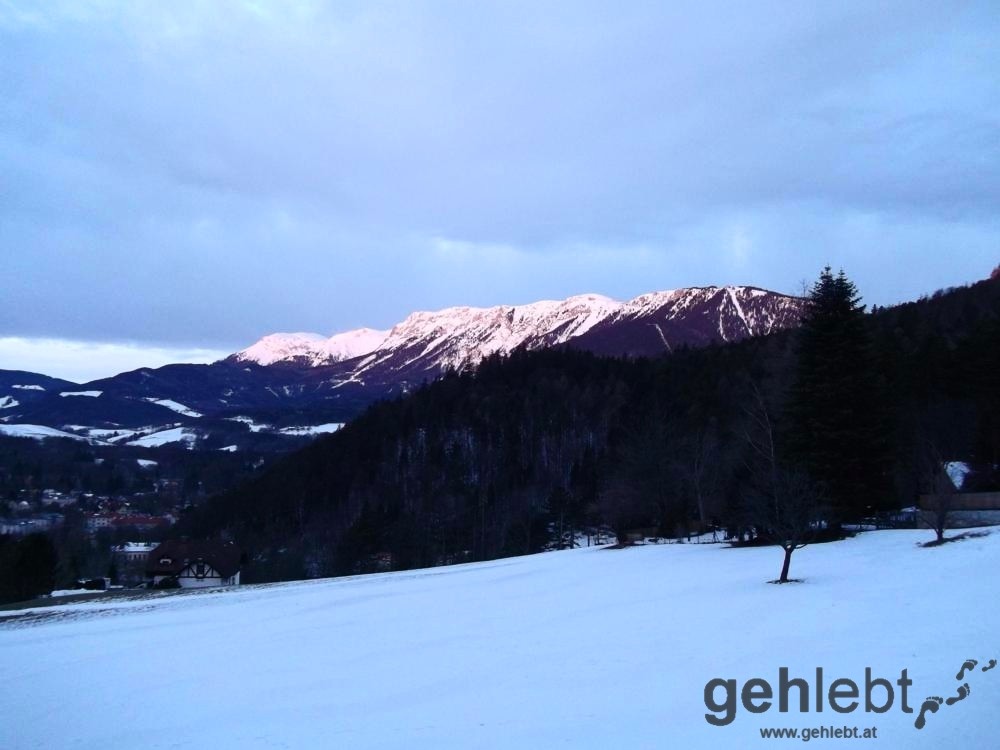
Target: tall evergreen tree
<point x="838" y="420"/>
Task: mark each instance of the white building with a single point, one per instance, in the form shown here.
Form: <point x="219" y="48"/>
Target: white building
<point x="194" y="564"/>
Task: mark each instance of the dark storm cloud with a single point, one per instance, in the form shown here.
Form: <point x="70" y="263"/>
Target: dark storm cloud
<point x="198" y="174"/>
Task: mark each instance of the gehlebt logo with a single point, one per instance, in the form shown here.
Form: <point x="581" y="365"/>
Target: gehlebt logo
<point x="872" y="695"/>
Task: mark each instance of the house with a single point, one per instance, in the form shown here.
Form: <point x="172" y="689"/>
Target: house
<point x="96" y="521"/>
<point x="36" y="524"/>
<point x="964" y="509"/>
<point x="967" y="493"/>
<point x="130" y="561"/>
<point x="194" y="564"/>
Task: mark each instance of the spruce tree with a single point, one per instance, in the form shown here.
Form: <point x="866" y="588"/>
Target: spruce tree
<point x="837" y="415"/>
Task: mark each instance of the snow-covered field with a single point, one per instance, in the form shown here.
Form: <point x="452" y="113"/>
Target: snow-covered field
<point x="156" y="439"/>
<point x="36" y="431"/>
<point x="589" y="648"/>
<point x="319" y="429"/>
<point x="174" y="406"/>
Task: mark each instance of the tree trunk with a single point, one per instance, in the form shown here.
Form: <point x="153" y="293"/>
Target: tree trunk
<point x="786" y="564"/>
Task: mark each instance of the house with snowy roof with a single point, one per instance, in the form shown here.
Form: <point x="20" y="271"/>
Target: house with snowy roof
<point x="130" y="561"/>
<point x="194" y="564"/>
<point x="969" y="493"/>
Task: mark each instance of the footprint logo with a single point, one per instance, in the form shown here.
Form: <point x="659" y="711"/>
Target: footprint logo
<point x="931" y="705"/>
<point x="963" y="693"/>
<point x="968" y="666"/>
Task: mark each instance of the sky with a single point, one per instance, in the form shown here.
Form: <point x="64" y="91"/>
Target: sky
<point x="179" y="179"/>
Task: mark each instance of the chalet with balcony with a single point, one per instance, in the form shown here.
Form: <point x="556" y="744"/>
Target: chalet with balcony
<point x="194" y="564"/>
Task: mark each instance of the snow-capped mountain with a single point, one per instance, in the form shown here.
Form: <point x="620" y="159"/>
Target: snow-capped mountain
<point x="460" y="337"/>
<point x="660" y="322"/>
<point x="302" y="381"/>
<point x="311" y="349"/>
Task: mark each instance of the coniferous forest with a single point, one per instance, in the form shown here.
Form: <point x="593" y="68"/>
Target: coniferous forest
<point x="838" y="421"/>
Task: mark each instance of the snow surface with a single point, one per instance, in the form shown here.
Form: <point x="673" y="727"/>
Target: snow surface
<point x="136" y="547"/>
<point x="957" y="471"/>
<point x="109" y="435"/>
<point x="174" y="406"/>
<point x="36" y="431"/>
<point x="460" y="336"/>
<point x="77" y="592"/>
<point x="319" y="429"/>
<point x="146" y="463"/>
<point x="89" y="394"/>
<point x="254" y="426"/>
<point x="316" y="349"/>
<point x="8" y="402"/>
<point x="173" y="435"/>
<point x="29" y="387"/>
<point x="589" y="648"/>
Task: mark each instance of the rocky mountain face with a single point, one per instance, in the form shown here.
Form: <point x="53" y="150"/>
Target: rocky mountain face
<point x="460" y="337"/>
<point x="290" y="382"/>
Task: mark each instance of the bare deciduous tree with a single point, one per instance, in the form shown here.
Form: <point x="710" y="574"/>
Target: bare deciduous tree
<point x="940" y="490"/>
<point x="939" y="434"/>
<point x="696" y="463"/>
<point x="784" y="505"/>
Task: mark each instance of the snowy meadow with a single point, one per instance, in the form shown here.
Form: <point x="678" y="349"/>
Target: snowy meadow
<point x="589" y="648"/>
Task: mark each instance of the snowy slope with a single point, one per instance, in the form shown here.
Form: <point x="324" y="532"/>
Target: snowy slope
<point x="174" y="406"/>
<point x="460" y="337"/>
<point x="311" y="348"/>
<point x="172" y="435"/>
<point x="590" y="648"/>
<point x="36" y="431"/>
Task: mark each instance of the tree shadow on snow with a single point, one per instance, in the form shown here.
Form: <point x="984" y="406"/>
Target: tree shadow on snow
<point x="956" y="538"/>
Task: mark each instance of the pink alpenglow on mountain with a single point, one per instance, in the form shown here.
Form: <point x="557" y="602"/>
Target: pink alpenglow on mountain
<point x="331" y="379"/>
<point x="460" y="337"/>
<point x="312" y="348"/>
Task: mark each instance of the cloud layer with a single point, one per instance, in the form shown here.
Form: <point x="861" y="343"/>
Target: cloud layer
<point x="83" y="361"/>
<point x="210" y="172"/>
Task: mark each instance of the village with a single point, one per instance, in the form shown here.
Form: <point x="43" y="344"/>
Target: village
<point x="108" y="543"/>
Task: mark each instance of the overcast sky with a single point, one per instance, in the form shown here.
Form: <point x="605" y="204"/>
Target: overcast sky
<point x="178" y="178"/>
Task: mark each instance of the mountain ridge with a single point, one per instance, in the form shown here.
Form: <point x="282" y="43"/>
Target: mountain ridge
<point x="503" y="328"/>
<point x="304" y="379"/>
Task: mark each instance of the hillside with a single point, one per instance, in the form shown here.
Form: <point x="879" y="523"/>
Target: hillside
<point x="489" y="464"/>
<point x="590" y="648"/>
